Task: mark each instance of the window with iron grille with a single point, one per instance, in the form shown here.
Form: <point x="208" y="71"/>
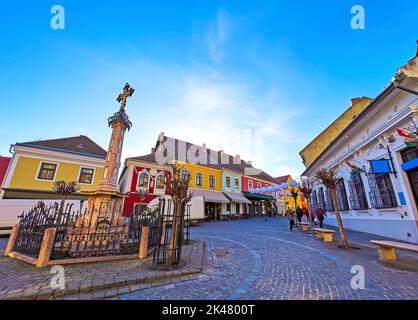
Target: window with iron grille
<point x="410" y="154"/>
<point x="314" y="201"/>
<point x="381" y="191"/>
<point x="342" y="196"/>
<point x="321" y="198"/>
<point x="329" y="205"/>
<point x="358" y="199"/>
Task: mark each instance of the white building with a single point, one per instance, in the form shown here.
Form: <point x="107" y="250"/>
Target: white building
<point x="382" y="198"/>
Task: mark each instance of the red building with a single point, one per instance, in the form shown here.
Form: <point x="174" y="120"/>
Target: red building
<point x="4" y="164"/>
<point x="144" y="180"/>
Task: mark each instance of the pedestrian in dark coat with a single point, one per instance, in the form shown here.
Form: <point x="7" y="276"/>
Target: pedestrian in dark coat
<point x="291" y="217"/>
<point x="320" y="214"/>
<point x="299" y="214"/>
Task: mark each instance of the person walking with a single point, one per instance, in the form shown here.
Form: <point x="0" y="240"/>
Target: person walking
<point x="320" y="214"/>
<point x="291" y="217"/>
<point x="299" y="214"/>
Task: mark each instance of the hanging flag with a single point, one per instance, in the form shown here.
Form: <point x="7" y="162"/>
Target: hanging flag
<point x="410" y="139"/>
<point x="354" y="168"/>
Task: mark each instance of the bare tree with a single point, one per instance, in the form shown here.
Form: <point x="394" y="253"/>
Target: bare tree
<point x="179" y="190"/>
<point x="306" y="188"/>
<point x="65" y="189"/>
<point x="328" y="177"/>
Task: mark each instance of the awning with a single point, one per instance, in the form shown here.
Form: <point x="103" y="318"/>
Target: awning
<point x="256" y="196"/>
<point x="410" y="164"/>
<point x="210" y="196"/>
<point x="237" y="197"/>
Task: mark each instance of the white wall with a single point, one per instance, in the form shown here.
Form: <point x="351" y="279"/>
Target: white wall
<point x="391" y="228"/>
<point x="11" y="209"/>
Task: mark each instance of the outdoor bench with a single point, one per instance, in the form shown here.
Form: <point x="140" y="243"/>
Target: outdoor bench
<point x="387" y="249"/>
<point x="304" y="226"/>
<point x="325" y="234"/>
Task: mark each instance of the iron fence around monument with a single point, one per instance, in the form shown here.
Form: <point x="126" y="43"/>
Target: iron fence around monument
<point x="83" y="235"/>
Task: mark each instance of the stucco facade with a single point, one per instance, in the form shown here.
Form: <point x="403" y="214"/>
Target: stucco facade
<point x="380" y="203"/>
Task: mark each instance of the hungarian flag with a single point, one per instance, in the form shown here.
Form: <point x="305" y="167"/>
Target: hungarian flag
<point x="354" y="168"/>
<point x="410" y="139"/>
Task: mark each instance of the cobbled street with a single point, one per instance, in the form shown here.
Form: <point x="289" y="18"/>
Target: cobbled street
<point x="257" y="259"/>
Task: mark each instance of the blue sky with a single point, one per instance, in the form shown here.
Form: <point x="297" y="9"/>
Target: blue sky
<point x="204" y="71"/>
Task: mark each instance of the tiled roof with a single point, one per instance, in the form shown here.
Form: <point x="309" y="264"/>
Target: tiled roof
<point x="79" y="144"/>
<point x="282" y="179"/>
<point x="213" y="159"/>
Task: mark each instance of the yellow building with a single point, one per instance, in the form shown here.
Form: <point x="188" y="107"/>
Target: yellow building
<point x="287" y="201"/>
<point x="324" y="139"/>
<point x="203" y="177"/>
<point x="36" y="165"/>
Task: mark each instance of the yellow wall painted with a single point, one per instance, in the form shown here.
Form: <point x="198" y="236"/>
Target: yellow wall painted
<point x="289" y="201"/>
<point x="26" y="171"/>
<point x="193" y="169"/>
<point x="321" y="142"/>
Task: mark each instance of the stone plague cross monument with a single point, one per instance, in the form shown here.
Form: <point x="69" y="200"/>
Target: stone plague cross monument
<point x="106" y="203"/>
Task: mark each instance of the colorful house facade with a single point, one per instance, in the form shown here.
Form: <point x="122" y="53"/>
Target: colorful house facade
<point x="144" y="180"/>
<point x="36" y="165"/>
<point x="288" y="201"/>
<point x="4" y="165"/>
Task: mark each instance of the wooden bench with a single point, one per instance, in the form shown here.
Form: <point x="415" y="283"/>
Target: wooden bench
<point x="325" y="234"/>
<point x="304" y="226"/>
<point x="387" y="249"/>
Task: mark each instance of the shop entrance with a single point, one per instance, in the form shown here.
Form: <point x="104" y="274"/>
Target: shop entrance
<point x="212" y="211"/>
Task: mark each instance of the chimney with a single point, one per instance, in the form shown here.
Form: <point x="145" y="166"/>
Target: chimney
<point x="152" y="150"/>
<point x="161" y="137"/>
<point x="354" y="101"/>
<point x="237" y="159"/>
<point x="204" y="146"/>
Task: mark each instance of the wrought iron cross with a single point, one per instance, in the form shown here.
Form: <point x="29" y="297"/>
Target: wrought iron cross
<point x="127" y="92"/>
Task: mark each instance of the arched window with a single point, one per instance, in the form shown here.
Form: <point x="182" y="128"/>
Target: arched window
<point x="143" y="180"/>
<point x="160" y="182"/>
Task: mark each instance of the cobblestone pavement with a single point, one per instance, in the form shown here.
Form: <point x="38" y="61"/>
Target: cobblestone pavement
<point x="255" y="259"/>
<point x="99" y="280"/>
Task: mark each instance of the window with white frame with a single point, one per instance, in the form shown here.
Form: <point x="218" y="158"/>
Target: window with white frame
<point x="212" y="181"/>
<point x="86" y="176"/>
<point x="250" y="184"/>
<point x="381" y="191"/>
<point x="160" y="182"/>
<point x="143" y="180"/>
<point x="236" y="184"/>
<point x="342" y="196"/>
<point x="47" y="171"/>
<point x="258" y="184"/>
<point x="358" y="198"/>
<point x="185" y="174"/>
<point x="199" y="179"/>
<point x="228" y="182"/>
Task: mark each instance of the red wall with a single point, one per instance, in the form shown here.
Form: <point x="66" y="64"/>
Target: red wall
<point x="255" y="181"/>
<point x="134" y="198"/>
<point x="4" y="164"/>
